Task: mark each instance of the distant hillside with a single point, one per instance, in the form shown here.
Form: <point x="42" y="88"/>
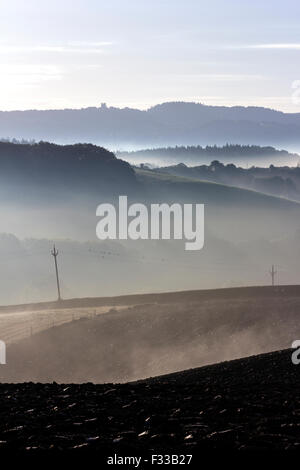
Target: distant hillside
<point x="278" y="181"/>
<point x="250" y="154"/>
<point x="78" y="168"/>
<point x="161" y="185"/>
<point x="175" y="123"/>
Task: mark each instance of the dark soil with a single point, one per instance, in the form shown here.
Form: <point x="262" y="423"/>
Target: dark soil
<point x="247" y="405"/>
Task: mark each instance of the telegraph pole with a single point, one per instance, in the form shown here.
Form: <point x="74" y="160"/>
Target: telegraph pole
<point x="273" y="273"/>
<point x="54" y="253"/>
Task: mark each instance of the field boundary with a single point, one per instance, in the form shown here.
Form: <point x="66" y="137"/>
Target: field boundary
<point x="163" y="297"/>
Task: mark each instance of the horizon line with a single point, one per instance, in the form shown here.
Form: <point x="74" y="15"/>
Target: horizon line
<point x="104" y="105"/>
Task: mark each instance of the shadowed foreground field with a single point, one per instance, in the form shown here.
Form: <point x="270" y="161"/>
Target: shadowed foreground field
<point x="248" y="404"/>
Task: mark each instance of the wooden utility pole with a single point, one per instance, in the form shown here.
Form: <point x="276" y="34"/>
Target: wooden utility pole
<point x="273" y="273"/>
<point x="54" y="253"/>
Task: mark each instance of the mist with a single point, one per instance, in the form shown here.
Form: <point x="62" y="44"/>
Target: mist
<point x="246" y="232"/>
<point x="154" y="339"/>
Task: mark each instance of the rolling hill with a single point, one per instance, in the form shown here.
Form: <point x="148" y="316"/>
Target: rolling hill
<point x="47" y="168"/>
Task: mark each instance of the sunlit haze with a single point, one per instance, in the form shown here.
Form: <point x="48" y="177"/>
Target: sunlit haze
<point x="137" y="53"/>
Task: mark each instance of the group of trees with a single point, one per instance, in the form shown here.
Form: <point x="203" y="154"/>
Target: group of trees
<point x="7" y="140"/>
<point x="228" y="152"/>
<point x="280" y="181"/>
<point x="78" y="166"/>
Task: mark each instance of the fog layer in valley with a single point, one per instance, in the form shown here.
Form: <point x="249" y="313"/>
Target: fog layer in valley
<point x="245" y="233"/>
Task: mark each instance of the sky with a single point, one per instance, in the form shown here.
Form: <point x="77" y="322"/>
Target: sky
<point x="137" y="53"/>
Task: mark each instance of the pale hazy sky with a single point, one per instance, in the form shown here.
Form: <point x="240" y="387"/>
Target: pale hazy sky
<point x="78" y="53"/>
